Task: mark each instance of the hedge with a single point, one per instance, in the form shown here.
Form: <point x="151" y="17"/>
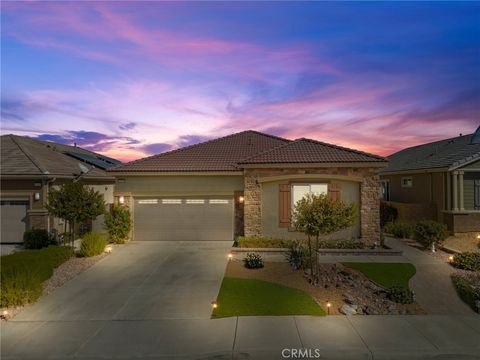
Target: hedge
<point x="92" y="244"/>
<point x="23" y="273"/>
<point x="468" y="288"/>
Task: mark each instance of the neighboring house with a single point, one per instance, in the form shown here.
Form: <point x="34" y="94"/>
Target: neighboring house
<point x="245" y="183"/>
<point x="439" y="181"/>
<point x="29" y="168"/>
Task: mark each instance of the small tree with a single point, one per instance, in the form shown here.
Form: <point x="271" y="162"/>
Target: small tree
<point x="74" y="202"/>
<point x="118" y="223"/>
<point x="317" y="215"/>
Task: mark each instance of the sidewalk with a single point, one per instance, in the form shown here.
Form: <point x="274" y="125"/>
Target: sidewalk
<point x="335" y="337"/>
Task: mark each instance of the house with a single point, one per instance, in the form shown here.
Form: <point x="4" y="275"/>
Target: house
<point x="245" y="184"/>
<point x="29" y="168"/>
<point x="438" y="181"/>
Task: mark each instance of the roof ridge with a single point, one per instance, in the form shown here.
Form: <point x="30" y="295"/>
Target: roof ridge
<point x="27" y="154"/>
<point x="431" y="143"/>
<point x="290" y="142"/>
<point x="118" y="167"/>
<point x="344" y="148"/>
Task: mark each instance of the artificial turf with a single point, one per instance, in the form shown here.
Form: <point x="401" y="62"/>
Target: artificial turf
<point x="250" y="297"/>
<point x="386" y="274"/>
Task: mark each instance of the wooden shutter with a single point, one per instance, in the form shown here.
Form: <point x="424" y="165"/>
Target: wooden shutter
<point x="284" y="205"/>
<point x="334" y="192"/>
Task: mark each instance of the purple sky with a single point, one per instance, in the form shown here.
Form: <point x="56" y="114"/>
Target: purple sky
<point x="130" y="79"/>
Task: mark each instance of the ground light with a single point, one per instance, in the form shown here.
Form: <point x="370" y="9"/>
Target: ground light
<point x="329" y="305"/>
<point x="5" y="314"/>
<point x="450" y="258"/>
<point x="108" y="249"/>
<point x="214" y="305"/>
<point x="230" y="257"/>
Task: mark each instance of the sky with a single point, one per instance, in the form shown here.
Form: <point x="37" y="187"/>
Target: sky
<point x="132" y="79"/>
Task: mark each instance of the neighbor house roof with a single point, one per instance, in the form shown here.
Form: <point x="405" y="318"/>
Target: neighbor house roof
<point x="21" y="155"/>
<point x="231" y="153"/>
<point x="311" y="151"/>
<point x="446" y="153"/>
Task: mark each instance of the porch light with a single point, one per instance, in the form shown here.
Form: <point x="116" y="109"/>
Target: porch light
<point x="121" y="199"/>
<point x="108" y="249"/>
<point x="214" y="305"/>
<point x="241" y="199"/>
<point x="36" y="196"/>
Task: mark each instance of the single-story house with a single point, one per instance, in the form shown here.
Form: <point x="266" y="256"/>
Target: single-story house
<point x="245" y="184"/>
<point x="438" y="181"/>
<point x="29" y="168"/>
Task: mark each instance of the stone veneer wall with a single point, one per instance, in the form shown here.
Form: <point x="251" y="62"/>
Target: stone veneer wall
<point x="369" y="197"/>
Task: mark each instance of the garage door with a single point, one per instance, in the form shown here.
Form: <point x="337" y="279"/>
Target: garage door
<point x="14" y="220"/>
<point x="183" y="218"/>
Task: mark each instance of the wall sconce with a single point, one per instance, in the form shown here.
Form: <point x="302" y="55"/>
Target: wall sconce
<point x="121" y="199"/>
<point x="36" y="196"/>
<point x="241" y="199"/>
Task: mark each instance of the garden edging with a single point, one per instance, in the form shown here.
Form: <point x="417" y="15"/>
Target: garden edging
<point x="321" y="252"/>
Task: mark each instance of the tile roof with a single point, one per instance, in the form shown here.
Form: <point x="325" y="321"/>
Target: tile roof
<point x="311" y="151"/>
<point x="439" y="154"/>
<point x="220" y="154"/>
<point x="231" y="152"/>
<point x="21" y="155"/>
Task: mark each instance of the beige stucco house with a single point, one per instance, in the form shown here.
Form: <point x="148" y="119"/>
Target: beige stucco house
<point x="245" y="184"/>
<point x="439" y="181"/>
<point x="29" y="168"/>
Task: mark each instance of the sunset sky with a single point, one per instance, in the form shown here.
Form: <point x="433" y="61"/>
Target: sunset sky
<point x="130" y="79"/>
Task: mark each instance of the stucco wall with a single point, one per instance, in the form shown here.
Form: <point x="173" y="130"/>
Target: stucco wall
<point x="468" y="188"/>
<point x="270" y="214"/>
<point x="158" y="185"/>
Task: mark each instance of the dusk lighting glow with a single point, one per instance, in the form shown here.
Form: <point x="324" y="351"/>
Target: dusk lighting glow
<point x="131" y="79"/>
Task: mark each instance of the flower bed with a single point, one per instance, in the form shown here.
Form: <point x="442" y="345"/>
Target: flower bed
<point x="468" y="287"/>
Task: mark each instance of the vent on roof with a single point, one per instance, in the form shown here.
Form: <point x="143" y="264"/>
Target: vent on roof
<point x="476" y="137"/>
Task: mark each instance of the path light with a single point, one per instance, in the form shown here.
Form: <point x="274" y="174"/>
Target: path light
<point x="108" y="249"/>
<point x="329" y="305"/>
<point x="478" y="236"/>
<point x="450" y="258"/>
<point x="230" y="257"/>
<point x="5" y="314"/>
<point x="214" y="305"/>
<point x="121" y="199"/>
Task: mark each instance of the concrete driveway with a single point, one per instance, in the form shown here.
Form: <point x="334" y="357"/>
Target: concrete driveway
<point x="140" y="281"/>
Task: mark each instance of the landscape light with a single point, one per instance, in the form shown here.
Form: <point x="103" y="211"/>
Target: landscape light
<point x="121" y="199"/>
<point x="230" y="257"/>
<point x="478" y="236"/>
<point x="108" y="249"/>
<point x="329" y="305"/>
<point x="214" y="304"/>
<point x="5" y="312"/>
<point x="450" y="258"/>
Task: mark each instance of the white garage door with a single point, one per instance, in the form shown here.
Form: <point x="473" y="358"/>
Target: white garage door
<point x="183" y="218"/>
<point x="13" y="220"/>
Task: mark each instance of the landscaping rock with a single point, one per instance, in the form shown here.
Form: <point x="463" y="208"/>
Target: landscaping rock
<point x="347" y="310"/>
<point x="349" y="298"/>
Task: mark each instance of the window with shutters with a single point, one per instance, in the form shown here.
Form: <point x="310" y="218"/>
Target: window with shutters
<point x="299" y="191"/>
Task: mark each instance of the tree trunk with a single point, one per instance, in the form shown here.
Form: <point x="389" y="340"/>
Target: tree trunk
<point x="316" y="259"/>
<point x="310" y="255"/>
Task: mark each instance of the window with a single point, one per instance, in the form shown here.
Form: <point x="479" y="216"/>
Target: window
<point x="407" y="182"/>
<point x="218" y="201"/>
<point x="195" y="201"/>
<point x="385" y="190"/>
<point x="148" y="201"/>
<point x="301" y="190"/>
<point x="171" y="201"/>
<point x="476" y="194"/>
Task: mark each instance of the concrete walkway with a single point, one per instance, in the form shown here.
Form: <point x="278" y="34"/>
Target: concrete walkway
<point x="335" y="337"/>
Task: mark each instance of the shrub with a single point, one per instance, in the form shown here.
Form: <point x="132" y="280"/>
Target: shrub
<point x="253" y="261"/>
<point x="388" y="214"/>
<point x="92" y="244"/>
<point x="468" y="288"/>
<point x="400" y="229"/>
<point x="467" y="261"/>
<point x="35" y="239"/>
<point x="261" y="242"/>
<point x="23" y="273"/>
<point x="428" y="232"/>
<point x="341" y="244"/>
<point x="400" y="295"/>
<point x="298" y="256"/>
<point x="118" y="223"/>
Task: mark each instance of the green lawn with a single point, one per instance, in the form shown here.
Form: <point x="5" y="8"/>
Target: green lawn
<point x="386" y="274"/>
<point x="244" y="297"/>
